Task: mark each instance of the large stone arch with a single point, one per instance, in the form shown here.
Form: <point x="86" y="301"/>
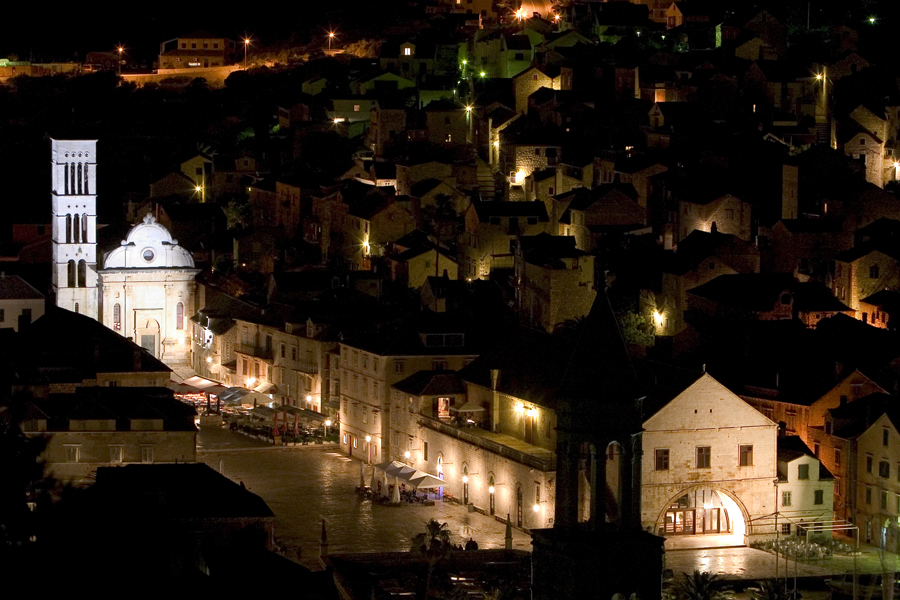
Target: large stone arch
<point x="745" y="515"/>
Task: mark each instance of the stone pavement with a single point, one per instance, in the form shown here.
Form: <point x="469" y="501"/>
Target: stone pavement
<point x="304" y="484"/>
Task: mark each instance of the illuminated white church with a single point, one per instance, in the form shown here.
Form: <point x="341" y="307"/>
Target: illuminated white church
<point x="144" y="289"/>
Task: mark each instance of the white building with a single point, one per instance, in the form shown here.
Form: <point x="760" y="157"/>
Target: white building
<point x="709" y="463"/>
<point x="74" y="205"/>
<point x="18" y="302"/>
<point x="147" y="290"/>
<point x="805" y="487"/>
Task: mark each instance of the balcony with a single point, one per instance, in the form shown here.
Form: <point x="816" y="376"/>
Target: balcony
<point x="498" y="443"/>
<point x="256" y="351"/>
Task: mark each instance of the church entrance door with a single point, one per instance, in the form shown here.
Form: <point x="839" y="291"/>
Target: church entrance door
<point x="148" y="343"/>
<point x="148" y="335"/>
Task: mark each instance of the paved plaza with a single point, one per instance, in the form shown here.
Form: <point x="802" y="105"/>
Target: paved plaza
<point x="304" y="484"/>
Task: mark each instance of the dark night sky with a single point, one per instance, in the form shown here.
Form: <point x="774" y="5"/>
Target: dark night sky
<point x="141" y="26"/>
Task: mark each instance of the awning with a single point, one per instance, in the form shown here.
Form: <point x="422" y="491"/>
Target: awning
<point x="265" y="412"/>
<point x="290" y="410"/>
<point x="200" y="382"/>
<point x="264" y="388"/>
<point x="183" y="388"/>
<point x="216" y="389"/>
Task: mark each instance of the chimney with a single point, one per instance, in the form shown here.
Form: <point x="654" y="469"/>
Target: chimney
<point x="495" y="378"/>
<point x="782" y="429"/>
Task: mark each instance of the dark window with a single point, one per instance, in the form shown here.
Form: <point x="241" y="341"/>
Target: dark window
<point x="746" y="453"/>
<point x="884" y="469"/>
<point x="802" y="471"/>
<point x="884" y="496"/>
<point x="704" y="454"/>
<point x="662" y="459"/>
<point x="82" y="273"/>
<point x="785" y="298"/>
<point x="873" y="272"/>
<point x="837" y="457"/>
<point x="816" y="449"/>
<point x="712" y="265"/>
<point x="868" y="495"/>
<point x="425" y="451"/>
<point x="179" y="316"/>
<point x="785" y="498"/>
<point x="885" y="437"/>
<point x="819" y="497"/>
<point x="117" y="316"/>
<point x="786" y="528"/>
<point x="868" y="464"/>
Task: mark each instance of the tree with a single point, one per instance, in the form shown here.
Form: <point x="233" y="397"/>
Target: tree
<point x="770" y="590"/>
<point x="699" y="586"/>
<point x="433" y="545"/>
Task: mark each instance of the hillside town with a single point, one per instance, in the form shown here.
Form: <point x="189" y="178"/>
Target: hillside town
<point x="610" y="279"/>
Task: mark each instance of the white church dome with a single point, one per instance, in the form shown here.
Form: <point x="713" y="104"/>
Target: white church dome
<point x="148" y="245"/>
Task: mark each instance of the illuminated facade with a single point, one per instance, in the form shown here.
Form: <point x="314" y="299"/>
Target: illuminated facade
<point x="74" y="205"/>
<point x="147" y="286"/>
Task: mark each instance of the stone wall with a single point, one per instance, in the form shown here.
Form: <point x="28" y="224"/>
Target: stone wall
<point x="215" y="76"/>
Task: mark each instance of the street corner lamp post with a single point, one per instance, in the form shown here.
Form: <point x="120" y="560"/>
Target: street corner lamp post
<point x="330" y="37"/>
<point x="327" y="425"/>
<point x="246" y="45"/>
<point x="121" y="50"/>
<point x="369" y="449"/>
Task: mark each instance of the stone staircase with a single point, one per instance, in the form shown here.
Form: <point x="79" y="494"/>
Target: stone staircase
<point x="487" y="181"/>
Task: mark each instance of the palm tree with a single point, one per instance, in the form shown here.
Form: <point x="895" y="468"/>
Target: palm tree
<point x="433" y="545"/>
<point x="770" y="590"/>
<point x="699" y="586"/>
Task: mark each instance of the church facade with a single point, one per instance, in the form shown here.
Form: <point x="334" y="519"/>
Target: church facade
<point x="144" y="289"/>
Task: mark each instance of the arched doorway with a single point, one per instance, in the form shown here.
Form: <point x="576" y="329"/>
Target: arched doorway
<point x="148" y="336"/>
<point x="519" y="506"/>
<point x="704" y="510"/>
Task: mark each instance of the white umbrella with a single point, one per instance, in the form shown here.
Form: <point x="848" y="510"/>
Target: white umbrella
<point x="395" y="496"/>
<point x="422" y="481"/>
<point x="372" y="485"/>
<point x="362" y="474"/>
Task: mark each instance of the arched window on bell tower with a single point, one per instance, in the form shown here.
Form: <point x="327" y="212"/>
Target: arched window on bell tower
<point x="179" y="316"/>
<point x="72" y="176"/>
<point x="68" y="228"/>
<point x="79" y="178"/>
<point x="66" y="178"/>
<point x="70" y="267"/>
<point x="84" y="228"/>
<point x="117" y="316"/>
<point x="86" y="179"/>
<point x="82" y="273"/>
<point x="76" y="229"/>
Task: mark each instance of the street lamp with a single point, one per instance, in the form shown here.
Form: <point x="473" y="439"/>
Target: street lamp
<point x="327" y="425"/>
<point x="330" y="37"/>
<point x="120" y="49"/>
<point x="246" y="45"/>
<point x="369" y="449"/>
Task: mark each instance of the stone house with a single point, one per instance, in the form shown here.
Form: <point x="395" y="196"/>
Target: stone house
<point x="371" y="363"/>
<point x="412" y="59"/>
<point x="491" y="229"/>
<point x="447" y="123"/>
<point x="549" y="183"/>
<point x="700" y="258"/>
<point x="199" y="49"/>
<point x="555" y="280"/>
<point x="590" y="212"/>
<point x="386" y="128"/>
<point x="263" y="202"/>
<point x="726" y="213"/>
<point x="869" y="134"/>
<point x="647" y="177"/>
<point x="373" y="221"/>
<point x="289" y="198"/>
<point x="858" y="444"/>
<point x="882" y="307"/>
<point x="95" y="427"/>
<point x="419" y="263"/>
<point x="532" y="79"/>
<point x="381" y="82"/>
<point x="864" y="270"/>
<point x="410" y="173"/>
<point x="708" y="463"/>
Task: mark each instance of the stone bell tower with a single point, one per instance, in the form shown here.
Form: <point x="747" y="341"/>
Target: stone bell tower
<point x="74" y="205"/>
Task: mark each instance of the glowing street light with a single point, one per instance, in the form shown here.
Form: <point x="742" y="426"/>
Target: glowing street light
<point x="469" y="109"/>
<point x="536" y="508"/>
<point x="330" y="37"/>
<point x="246" y="45"/>
<point x="871" y="20"/>
<point x="369" y="449"/>
<point x="120" y="49"/>
<point x="482" y="74"/>
<point x="327" y="425"/>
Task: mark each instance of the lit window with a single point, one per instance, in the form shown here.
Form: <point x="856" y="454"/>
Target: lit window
<point x="407" y="52"/>
<point x="73" y="454"/>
